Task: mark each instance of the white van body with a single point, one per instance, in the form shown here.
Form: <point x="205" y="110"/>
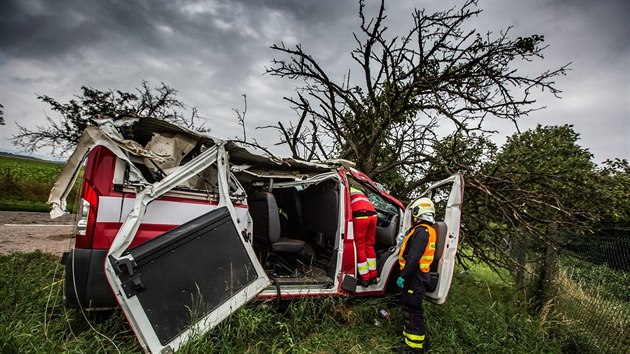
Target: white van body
<point x="180" y="228"/>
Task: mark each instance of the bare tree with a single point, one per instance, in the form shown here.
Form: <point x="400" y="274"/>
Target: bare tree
<point x="436" y="73"/>
<point x="61" y="133"/>
<point x="240" y="115"/>
<point x="303" y="142"/>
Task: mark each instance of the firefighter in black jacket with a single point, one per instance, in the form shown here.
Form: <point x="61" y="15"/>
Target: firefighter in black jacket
<point x="416" y="255"/>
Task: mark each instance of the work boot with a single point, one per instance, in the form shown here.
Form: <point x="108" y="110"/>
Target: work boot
<point x="364" y="283"/>
<point x="407" y="350"/>
<point x="373" y="280"/>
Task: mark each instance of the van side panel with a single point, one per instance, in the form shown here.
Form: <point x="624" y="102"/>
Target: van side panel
<point x="162" y="215"/>
<point x="106" y="232"/>
<point x="86" y="284"/>
<point x="99" y="170"/>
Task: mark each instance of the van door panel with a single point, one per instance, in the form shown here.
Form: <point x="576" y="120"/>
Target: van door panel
<point x="443" y="266"/>
<point x="187" y="272"/>
<point x="184" y="282"/>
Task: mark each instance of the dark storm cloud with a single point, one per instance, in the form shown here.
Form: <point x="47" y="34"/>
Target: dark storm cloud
<point x="606" y="20"/>
<point x="307" y="12"/>
<point x="214" y="51"/>
<point x="32" y="29"/>
<point x="41" y="29"/>
<point x="37" y="28"/>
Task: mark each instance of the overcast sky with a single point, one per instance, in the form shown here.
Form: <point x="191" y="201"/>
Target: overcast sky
<point x="212" y="52"/>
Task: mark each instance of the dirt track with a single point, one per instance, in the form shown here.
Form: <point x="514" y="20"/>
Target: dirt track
<point x="29" y="231"/>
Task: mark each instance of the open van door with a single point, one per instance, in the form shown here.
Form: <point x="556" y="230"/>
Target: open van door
<point x="182" y="283"/>
<point x="447" y="237"/>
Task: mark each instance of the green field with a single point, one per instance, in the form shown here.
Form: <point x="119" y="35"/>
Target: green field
<point x="25" y="183"/>
<point x="484" y="314"/>
<point x="479" y="317"/>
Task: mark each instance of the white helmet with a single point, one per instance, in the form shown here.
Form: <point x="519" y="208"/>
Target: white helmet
<point x="423" y="209"/>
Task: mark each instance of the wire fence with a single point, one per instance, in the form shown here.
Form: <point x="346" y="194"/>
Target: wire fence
<point x="591" y="293"/>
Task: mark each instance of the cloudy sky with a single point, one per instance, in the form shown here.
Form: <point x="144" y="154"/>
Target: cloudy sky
<point x="213" y="52"/>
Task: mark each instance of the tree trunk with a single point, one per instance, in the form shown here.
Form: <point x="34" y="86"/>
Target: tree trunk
<point x="545" y="292"/>
<point x="519" y="256"/>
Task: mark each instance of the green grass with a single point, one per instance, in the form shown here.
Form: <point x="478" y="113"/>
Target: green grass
<point x="480" y="316"/>
<point x="610" y="283"/>
<point x="592" y="307"/>
<point x="26" y="183"/>
<point x="33" y="319"/>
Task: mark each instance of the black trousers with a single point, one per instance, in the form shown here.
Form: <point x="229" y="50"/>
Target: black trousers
<point x="413" y="316"/>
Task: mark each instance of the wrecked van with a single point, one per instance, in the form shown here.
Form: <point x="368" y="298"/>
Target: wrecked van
<point x="180" y="228"/>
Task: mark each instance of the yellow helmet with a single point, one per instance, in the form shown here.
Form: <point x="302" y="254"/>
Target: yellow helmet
<point x="422" y="206"/>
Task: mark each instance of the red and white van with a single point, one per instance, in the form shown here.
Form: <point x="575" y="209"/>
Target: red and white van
<point x="180" y="228"/>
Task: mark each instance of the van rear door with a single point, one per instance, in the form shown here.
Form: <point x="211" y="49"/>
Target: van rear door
<point x="182" y="283"/>
<point x="448" y="235"/>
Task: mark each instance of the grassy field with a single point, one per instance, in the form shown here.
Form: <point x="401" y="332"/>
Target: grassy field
<point x="25" y="183"/>
<point x="480" y="317"/>
<point x="589" y="314"/>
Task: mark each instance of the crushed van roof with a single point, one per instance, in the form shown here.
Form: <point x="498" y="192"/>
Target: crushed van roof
<point x="132" y="135"/>
<point x="141" y="129"/>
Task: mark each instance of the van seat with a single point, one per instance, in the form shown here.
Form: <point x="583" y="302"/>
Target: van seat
<point x="321" y="206"/>
<point x="264" y="212"/>
<point x="440" y="242"/>
<point x="289" y="201"/>
<point x="386" y="233"/>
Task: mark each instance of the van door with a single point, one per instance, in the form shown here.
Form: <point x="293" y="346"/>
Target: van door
<point x="447" y="231"/>
<point x="179" y="285"/>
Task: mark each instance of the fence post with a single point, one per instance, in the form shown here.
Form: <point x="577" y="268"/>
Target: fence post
<point x="549" y="265"/>
<point x="519" y="256"/>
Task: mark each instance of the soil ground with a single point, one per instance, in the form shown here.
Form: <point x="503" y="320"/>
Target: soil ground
<point x="22" y="231"/>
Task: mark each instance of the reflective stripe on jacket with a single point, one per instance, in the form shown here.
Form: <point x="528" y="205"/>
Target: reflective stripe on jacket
<point x="429" y="251"/>
<point x="359" y="201"/>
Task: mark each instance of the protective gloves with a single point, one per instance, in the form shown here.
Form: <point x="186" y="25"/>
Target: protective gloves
<point x="400" y="238"/>
<point x="400" y="282"/>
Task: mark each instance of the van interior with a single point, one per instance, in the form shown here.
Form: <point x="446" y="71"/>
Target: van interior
<point x="296" y="230"/>
<point x="298" y="226"/>
<point x="297" y="220"/>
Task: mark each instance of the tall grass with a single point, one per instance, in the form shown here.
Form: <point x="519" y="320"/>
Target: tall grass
<point x="480" y="317"/>
<point x="593" y="316"/>
<point x="26" y="183"/>
<point x="33" y="319"/>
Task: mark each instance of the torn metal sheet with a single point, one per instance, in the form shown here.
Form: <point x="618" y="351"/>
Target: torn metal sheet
<point x="171" y="147"/>
<point x="108" y="134"/>
<point x="91" y="137"/>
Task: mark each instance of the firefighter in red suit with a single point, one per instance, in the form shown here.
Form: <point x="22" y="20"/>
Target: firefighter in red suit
<point x="415" y="258"/>
<point x="364" y="223"/>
